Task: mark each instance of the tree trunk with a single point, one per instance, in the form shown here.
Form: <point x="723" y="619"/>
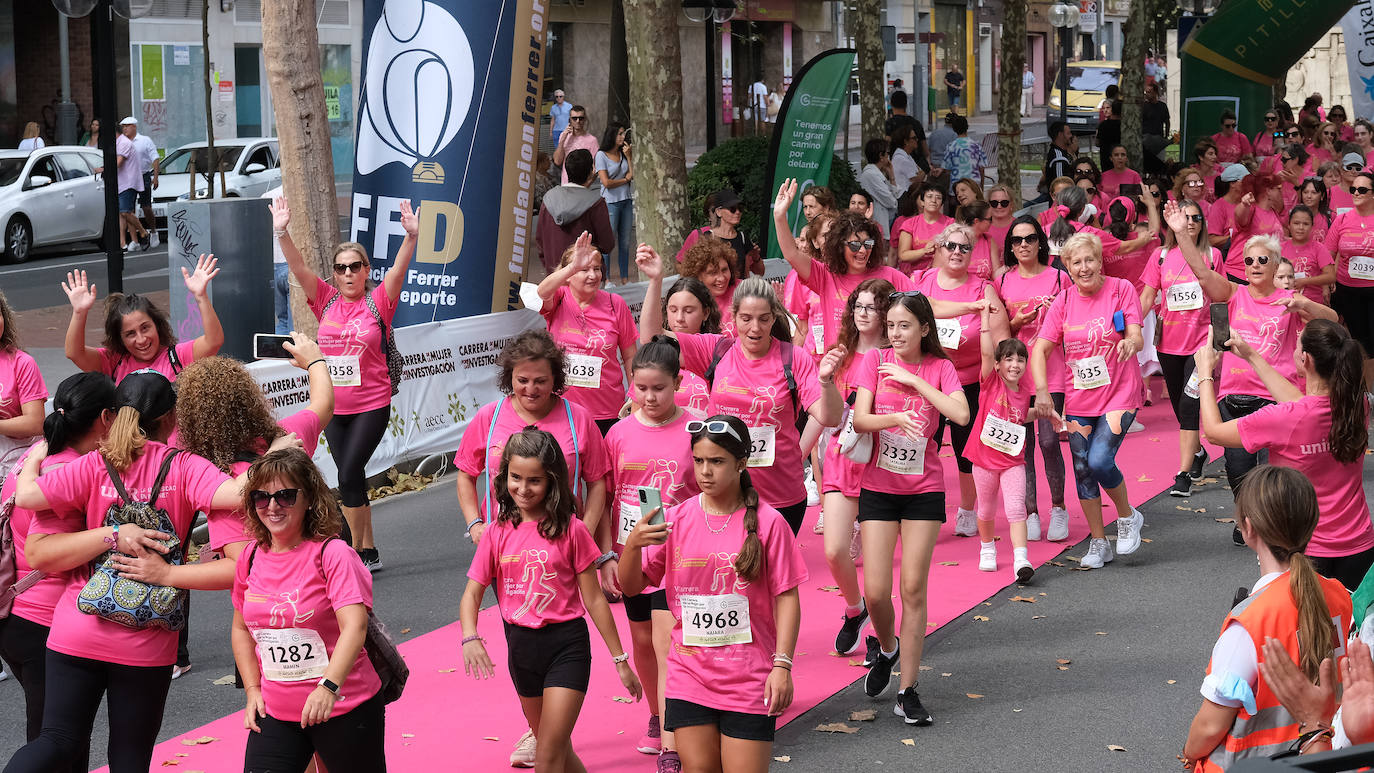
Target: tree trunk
<point x="655" y="70"/>
<point x="291" y="50"/>
<point x="209" y="109"/>
<point x="1133" y="78"/>
<point x="1009" y="89"/>
<point x="868" y="41"/>
<point x="618" y="95"/>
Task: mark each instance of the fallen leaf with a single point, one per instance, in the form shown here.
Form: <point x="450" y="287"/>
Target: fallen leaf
<point x="1024" y="599"/>
<point x="224" y="680"/>
<point x="909" y="741"/>
<point x="783" y="758"/>
<point x="1224" y="520"/>
<point x="198" y="741"/>
<point x="490" y="738"/>
<point x="973" y="695"/>
<point x="405" y="630"/>
<point x="987" y="603"/>
<point x="1016" y="711"/>
<point x="447" y="670"/>
<point x="1146" y="539"/>
<point x="1184" y="509"/>
<point x="1074" y="559"/>
<point x="407" y="735"/>
<point x="1199" y="509"/>
<point x="1056" y="563"/>
<point x="1172" y="681"/>
<point x="946" y="674"/>
<point x="836" y="727"/>
<point x="927" y="668"/>
<point x="622" y="699"/>
<point x="167" y="763"/>
<point x="1115" y="748"/>
<point x="980" y="618"/>
<point x="856" y="661"/>
<point x="1037" y="617"/>
<point x="949" y="563"/>
<point x="865" y="715"/>
<point x="1063" y="661"/>
<point x="1100" y="633"/>
<point x="1044" y="594"/>
<point x="1144" y="479"/>
<point x="830" y="588"/>
<point x="1062" y="668"/>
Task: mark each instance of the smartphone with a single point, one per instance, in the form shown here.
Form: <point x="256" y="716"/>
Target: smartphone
<point x="1133" y="190"/>
<point x="629" y="134"/>
<point x="1221" y="326"/>
<point x="268" y="346"/>
<point x="1280" y="135"/>
<point x="649" y="500"/>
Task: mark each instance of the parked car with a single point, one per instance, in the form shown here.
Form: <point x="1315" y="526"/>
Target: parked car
<point x="250" y="169"/>
<point x="50" y="196"/>
<point x="1087" y="87"/>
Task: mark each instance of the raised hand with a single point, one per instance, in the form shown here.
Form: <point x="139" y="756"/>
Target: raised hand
<point x="410" y="219"/>
<point x="831" y="362"/>
<point x="81" y="295"/>
<point x="1175" y="218"/>
<point x="649" y="262"/>
<point x="585" y="256"/>
<point x="198" y="282"/>
<point x="281" y="213"/>
<point x="303" y="350"/>
<point x="787" y="193"/>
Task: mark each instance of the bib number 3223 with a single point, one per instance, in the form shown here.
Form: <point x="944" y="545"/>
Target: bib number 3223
<point x="715" y="621"/>
<point x="1002" y="435"/>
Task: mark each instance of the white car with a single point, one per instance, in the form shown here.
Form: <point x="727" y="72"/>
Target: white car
<point x="250" y="169"/>
<point x="50" y="196"/>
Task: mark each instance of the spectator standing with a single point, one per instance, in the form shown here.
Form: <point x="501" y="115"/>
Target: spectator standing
<point x="558" y="114"/>
<point x="615" y="170"/>
<point x="571" y="209"/>
<point x="898" y="118"/>
<point x="954" y="85"/>
<point x="774" y="103"/>
<point x="1154" y="126"/>
<point x="758" y="101"/>
<point x="1059" y="159"/>
<point x="31" y="140"/>
<point x="877" y="181"/>
<point x="91" y="138"/>
<point x="963" y="157"/>
<point x="573" y="137"/>
<point x="1027" y="89"/>
<point x="906" y="170"/>
<point x="1232" y="146"/>
<point x="150" y="162"/>
<point x="941" y="137"/>
<point x="1109" y="134"/>
<point x="130" y="178"/>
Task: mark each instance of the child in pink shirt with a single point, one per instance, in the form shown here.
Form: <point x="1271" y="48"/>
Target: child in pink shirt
<point x="541" y="562"/>
<point x="1313" y="269"/>
<point x="997" y="451"/>
<point x="22" y="393"/>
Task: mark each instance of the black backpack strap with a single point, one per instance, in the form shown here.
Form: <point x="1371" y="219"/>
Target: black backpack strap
<point x="377" y="317"/>
<point x="118" y="484"/>
<point x="722" y="347"/>
<point x="786" y="351"/>
<point x="172" y="358"/>
<point x="329" y="304"/>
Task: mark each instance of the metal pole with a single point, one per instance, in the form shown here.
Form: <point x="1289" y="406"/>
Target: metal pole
<point x="711" y="85"/>
<point x="1065" y="54"/>
<point x="102" y="34"/>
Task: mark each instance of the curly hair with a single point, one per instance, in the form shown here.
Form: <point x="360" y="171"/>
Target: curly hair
<point x="221" y="411"/>
<point x="292" y="465"/>
<point x="847" y="224"/>
<point x="120" y="305"/>
<point x="705" y="255"/>
<point x="9" y="339"/>
<point x="534" y="344"/>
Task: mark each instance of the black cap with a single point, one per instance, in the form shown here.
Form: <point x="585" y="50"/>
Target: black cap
<point x="148" y="392"/>
<point x="726" y="198"/>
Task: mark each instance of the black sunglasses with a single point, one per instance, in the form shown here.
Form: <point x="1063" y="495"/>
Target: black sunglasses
<point x="1293" y="135"/>
<point x="1271" y="118"/>
<point x="958" y="247"/>
<point x="285" y="498"/>
<point x="1263" y="260"/>
<point x="1361" y="190"/>
<point x="1197" y="218"/>
<point x="856" y="245"/>
<point x="734" y="209"/>
<point x="1353" y="167"/>
<point x="897" y="296"/>
<point x="344" y="268"/>
<point x="1016" y="241"/>
<point x="999" y="203"/>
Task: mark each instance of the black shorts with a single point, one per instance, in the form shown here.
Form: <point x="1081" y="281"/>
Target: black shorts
<point x="145" y="196"/>
<point x="605" y="424"/>
<point x="557" y="655"/>
<point x="794" y="514"/>
<point x="879" y="506"/>
<point x="640" y="609"/>
<point x="1356" y="307"/>
<point x="732" y="724"/>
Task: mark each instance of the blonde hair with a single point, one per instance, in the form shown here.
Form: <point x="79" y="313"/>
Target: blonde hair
<point x="1081" y="242"/>
<point x="30" y="130"/>
<point x="758" y="287"/>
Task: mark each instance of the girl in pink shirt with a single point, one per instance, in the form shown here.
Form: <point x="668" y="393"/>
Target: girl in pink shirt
<point x="1351" y="243"/>
<point x="915" y="240"/>
<point x="1120" y="174"/>
<point x="138" y="334"/>
<point x="1337" y="189"/>
<point x="592" y="327"/>
<point x="902" y="393"/>
<point x="541" y="562"/>
<point x="687" y="308"/>
<point x="301" y="600"/>
<point x="1322" y="432"/>
<point x="1000" y="208"/>
<point x="1313" y="196"/>
<point x="998" y="452"/>
<point x="731" y="569"/>
<point x="985" y="260"/>
<point x="22" y="392"/>
<point x="355" y="336"/>
<point x="1313" y="269"/>
<point x="1252" y="218"/>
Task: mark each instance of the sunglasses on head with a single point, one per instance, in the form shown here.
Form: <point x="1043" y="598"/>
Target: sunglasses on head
<point x="716" y="427"/>
<point x="345" y="268"/>
<point x="1251" y="260"/>
<point x="284" y="498"/>
<point x="958" y="247"/>
<point x="856" y="245"/>
<point x="999" y="203"/>
<point x="1361" y="190"/>
<point x="1017" y="241"/>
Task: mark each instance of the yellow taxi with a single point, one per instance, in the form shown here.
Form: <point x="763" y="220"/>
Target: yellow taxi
<point x="1087" y="83"/>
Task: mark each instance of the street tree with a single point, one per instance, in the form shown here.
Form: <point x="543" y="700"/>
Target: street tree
<point x="1009" y="91"/>
<point x="1139" y="24"/>
<point x="868" y="42"/>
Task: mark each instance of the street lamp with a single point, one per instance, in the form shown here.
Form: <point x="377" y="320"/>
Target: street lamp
<point x="1064" y="17"/>
<point x="711" y="13"/>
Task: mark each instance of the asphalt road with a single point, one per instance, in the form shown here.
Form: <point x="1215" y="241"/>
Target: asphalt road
<point x="36" y="283"/>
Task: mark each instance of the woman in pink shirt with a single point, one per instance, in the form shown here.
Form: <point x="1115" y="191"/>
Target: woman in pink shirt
<point x="712" y="262"/>
<point x="1190" y="184"/>
<point x="1263" y="144"/>
<point x="1253" y="217"/>
<point x="1208" y="166"/>
<point x="1097" y="325"/>
<point x="1351" y="242"/>
<point x="1000" y="205"/>
<point x="1293" y="171"/>
<point x="902" y="394"/>
<point x="1323" y="147"/>
<point x="540" y="560"/>
<point x="1120" y="174"/>
<point x="22" y="392"/>
<point x="915" y="239"/>
<point x="1337" y="187"/>
<point x="731" y="569"/>
<point x="687" y="308"/>
<point x="138" y="334"/>
<point x="1321" y="431"/>
<point x="356" y="338"/>
<point x="82" y="410"/>
<point x="309" y="687"/>
<point x="1313" y="195"/>
<point x="984" y="261"/>
<point x="1231" y="145"/>
<point x="593" y="328"/>
<point x="1313" y="269"/>
<point x="1344" y="131"/>
<point x="1027" y="290"/>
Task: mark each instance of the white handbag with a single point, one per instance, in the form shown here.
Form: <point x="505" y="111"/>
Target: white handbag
<point x="858" y="446"/>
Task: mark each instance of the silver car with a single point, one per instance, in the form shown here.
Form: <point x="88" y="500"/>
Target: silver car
<point x="50" y="196"/>
<point x="251" y="168"/>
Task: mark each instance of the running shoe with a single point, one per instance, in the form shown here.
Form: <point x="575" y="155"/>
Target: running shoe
<point x="669" y="762"/>
<point x="1237" y="538"/>
<point x="1199" y="461"/>
<point x="144" y="243"/>
<point x="813" y="494"/>
<point x="1059" y="525"/>
<point x="4" y="674"/>
<point x="153" y="239"/>
<point x="987" y="558"/>
<point x="1183" y="485"/>
<point x="880" y="674"/>
<point x="1128" y="532"/>
<point x="180" y="671"/>
<point x="1099" y="554"/>
<point x="847" y="640"/>
<point x="965" y="523"/>
<point x="1033" y="527"/>
<point x="909" y="708"/>
<point x="871" y="651"/>
<point x="1022" y="570"/>
<point x="819" y="528"/>
<point x="652" y="742"/>
<point x="132" y="247"/>
<point x="371" y="559"/>
<point x="523" y="754"/>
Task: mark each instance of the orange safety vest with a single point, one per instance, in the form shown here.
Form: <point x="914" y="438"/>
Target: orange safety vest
<point x="1272" y="613"/>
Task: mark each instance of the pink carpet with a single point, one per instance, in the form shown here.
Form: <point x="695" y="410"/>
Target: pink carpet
<point x="445" y="715"/>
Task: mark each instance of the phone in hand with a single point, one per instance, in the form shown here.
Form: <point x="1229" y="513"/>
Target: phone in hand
<point x="1132" y="190"/>
<point x="269" y="346"/>
<point x="1221" y="326"/>
<point x="649" y="500"/>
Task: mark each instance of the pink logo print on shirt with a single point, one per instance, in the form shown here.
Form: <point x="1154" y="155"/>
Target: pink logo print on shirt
<point x="350" y="339"/>
<point x="277" y="617"/>
<point x="723" y="577"/>
<point x="696" y="401"/>
<point x="1266" y="342"/>
<point x="764" y="396"/>
<point x="665" y="478"/>
<point x="596" y="341"/>
<point x="536" y="576"/>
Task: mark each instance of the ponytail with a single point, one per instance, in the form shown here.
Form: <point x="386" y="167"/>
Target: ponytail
<point x="749" y="562"/>
<point x="1316" y="634"/>
<point x="125" y="440"/>
<point x="1070" y="204"/>
<point x="79" y="402"/>
<point x="1339" y="360"/>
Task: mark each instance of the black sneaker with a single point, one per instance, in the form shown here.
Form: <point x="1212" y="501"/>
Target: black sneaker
<point x="1183" y="485"/>
<point x="1236" y="538"/>
<point x="1199" y="461"/>
<point x="144" y="243"/>
<point x="871" y="653"/>
<point x="909" y="708"/>
<point x="880" y="674"/>
<point x="847" y="640"/>
<point x="372" y="560"/>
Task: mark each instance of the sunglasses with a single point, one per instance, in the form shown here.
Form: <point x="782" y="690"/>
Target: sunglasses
<point x="355" y="267"/>
<point x="1361" y="190"/>
<point x="1090" y="191"/>
<point x="1269" y="118"/>
<point x="578" y="118"/>
<point x="1353" y="167"/>
<point x="1328" y="134"/>
<point x="999" y="203"/>
<point x="1194" y="183"/>
<point x="856" y="245"/>
<point x="1286" y="159"/>
<point x="716" y="427"/>
<point x="1194" y="218"/>
<point x="1017" y="241"/>
<point x="284" y="498"/>
<point x="733" y="210"/>
<point x="897" y="296"/>
<point x="1263" y="260"/>
<point x="958" y="247"/>
<point x="1230" y="125"/>
<point x="1293" y="135"/>
<point x="1157" y="194"/>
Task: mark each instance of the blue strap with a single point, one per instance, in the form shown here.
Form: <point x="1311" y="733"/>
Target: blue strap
<point x="577" y="457"/>
<point x="486" y="453"/>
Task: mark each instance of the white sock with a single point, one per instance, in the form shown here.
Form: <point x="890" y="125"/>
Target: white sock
<point x="989" y="545"/>
<point x="886" y="654"/>
<point x="1019" y="554"/>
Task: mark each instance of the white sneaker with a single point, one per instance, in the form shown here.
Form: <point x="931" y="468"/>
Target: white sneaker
<point x="1021" y="570"/>
<point x="965" y="523"/>
<point x="813" y="493"/>
<point x="1099" y="553"/>
<point x="819" y="528"/>
<point x="1059" y="525"/>
<point x="1033" y="527"/>
<point x="133" y="247"/>
<point x="1128" y="532"/>
<point x="153" y="241"/>
<point x="1135" y="427"/>
<point x="987" y="558"/>
<point x="4" y="675"/>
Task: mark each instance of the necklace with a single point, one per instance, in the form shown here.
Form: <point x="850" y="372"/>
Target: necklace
<point x="706" y="512"/>
<point x="668" y="420"/>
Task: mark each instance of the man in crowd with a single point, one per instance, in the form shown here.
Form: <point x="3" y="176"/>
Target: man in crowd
<point x="963" y="157"/>
<point x="941" y="137"/>
<point x="900" y="117"/>
<point x="1027" y="89"/>
<point x="575" y="136"/>
<point x="1154" y="128"/>
<point x="130" y="177"/>
<point x="1059" y="159"/>
<point x="558" y="114"/>
<point x="954" y="85"/>
<point x="150" y="162"/>
<point x="572" y="208"/>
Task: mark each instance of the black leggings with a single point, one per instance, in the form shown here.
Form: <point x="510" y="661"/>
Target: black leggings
<point x="1238" y="460"/>
<point x="136" y="696"/>
<point x="353" y="437"/>
<point x="959" y="433"/>
<point x="348" y="743"/>
<point x="1349" y="570"/>
<point x="794" y="514"/>
<point x="1178" y="368"/>
<point x="1051" y="451"/>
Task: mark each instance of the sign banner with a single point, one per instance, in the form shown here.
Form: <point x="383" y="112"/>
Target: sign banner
<point x="804" y="135"/>
<point x="1358" y="26"/>
<point x="448" y="118"/>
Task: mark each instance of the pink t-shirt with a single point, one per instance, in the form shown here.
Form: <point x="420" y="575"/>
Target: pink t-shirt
<point x="350" y="331"/>
<point x="922" y="231"/>
<point x="534" y="579"/>
<point x="1131" y="265"/>
<point x="1309" y="259"/>
<point x="300" y="590"/>
<point x="1262" y="221"/>
<point x="117" y="366"/>
<point x="641" y="455"/>
<point x="82" y="491"/>
<point x="20" y="382"/>
<point x="1182" y="330"/>
<point x="1296" y="435"/>
<point x="1263" y="145"/>
<point x="839" y="472"/>
<point x="702" y="549"/>
<point x="691" y="395"/>
<point x="1018" y="294"/>
<point x="725" y="302"/>
<point x="1341" y="198"/>
<point x="998" y="235"/>
<point x="1231" y="149"/>
<point x="1221" y="218"/>
<point x="833" y="291"/>
<point x="892" y="397"/>
<point x="756" y="392"/>
<point x="1271" y="330"/>
<point x="1084" y="327"/>
<point x="1350" y="236"/>
<point x="1011" y="406"/>
<point x="232" y="527"/>
<point x="1320" y="225"/>
<point x="985" y="256"/>
<point x="1112" y="180"/>
<point x="805" y="305"/>
<point x="586" y="141"/>
<point x="589" y="450"/>
<point x="592" y="339"/>
<point x="37" y="603"/>
<point x="968" y="355"/>
<point x="897" y="230"/>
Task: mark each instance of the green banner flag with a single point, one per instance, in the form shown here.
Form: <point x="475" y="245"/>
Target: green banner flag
<point x="804" y="135"/>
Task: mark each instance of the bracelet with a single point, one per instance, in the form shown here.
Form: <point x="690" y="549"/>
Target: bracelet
<point x="1307" y="739"/>
<point x="113" y="539"/>
<point x="278" y="234"/>
<point x="311" y="364"/>
<point x="1205" y="378"/>
<point x="609" y="555"/>
<point x="474" y="637"/>
<point x="471" y="525"/>
<point x="783" y="657"/>
<point x="786" y="666"/>
<point x="621" y="658"/>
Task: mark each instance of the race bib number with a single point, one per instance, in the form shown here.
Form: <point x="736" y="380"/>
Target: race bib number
<point x="344" y="370"/>
<point x="762" y="446"/>
<point x="1362" y="267"/>
<point x="715" y="621"/>
<point x="291" y="654"/>
<point x="584" y="370"/>
<point x="1090" y="372"/>
<point x="1002" y="435"/>
<point x="899" y="453"/>
<point x="629" y="516"/>
<point x="948" y="331"/>
<point x="1190" y="389"/>
<point x="1186" y="296"/>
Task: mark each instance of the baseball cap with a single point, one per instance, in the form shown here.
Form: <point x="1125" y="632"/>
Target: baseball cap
<point x="130" y="121"/>
<point x="1352" y="159"/>
<point x="1234" y="173"/>
<point x="725" y="198"/>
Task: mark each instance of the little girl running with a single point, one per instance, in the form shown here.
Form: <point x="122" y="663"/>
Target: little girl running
<point x="541" y="561"/>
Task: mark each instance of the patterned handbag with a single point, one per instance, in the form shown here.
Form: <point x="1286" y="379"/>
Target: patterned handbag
<point x="129" y="602"/>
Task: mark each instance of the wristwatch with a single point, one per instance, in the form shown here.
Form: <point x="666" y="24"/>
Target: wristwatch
<point x="330" y="686"/>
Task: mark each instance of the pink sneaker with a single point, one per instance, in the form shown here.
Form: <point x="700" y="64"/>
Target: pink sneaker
<point x="668" y="762"/>
<point x="652" y="742"/>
